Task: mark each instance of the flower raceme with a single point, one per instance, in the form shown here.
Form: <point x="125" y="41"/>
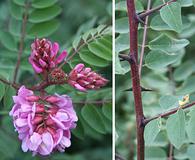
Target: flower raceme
<point x="43" y="55"/>
<point x="43" y="124"/>
<point x="43" y="59"/>
<point x="83" y="78"/>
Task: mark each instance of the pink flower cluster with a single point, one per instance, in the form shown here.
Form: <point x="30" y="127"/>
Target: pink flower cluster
<point x="43" y="55"/>
<point x="83" y="78"/>
<point x="43" y="124"/>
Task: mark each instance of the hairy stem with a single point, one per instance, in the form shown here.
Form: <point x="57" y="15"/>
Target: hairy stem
<point x="144" y="39"/>
<point x="21" y="47"/>
<point x="133" y="28"/>
<point x="168" y="113"/>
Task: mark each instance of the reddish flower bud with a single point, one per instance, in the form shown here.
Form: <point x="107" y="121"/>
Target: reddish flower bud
<point x="33" y="98"/>
<point x="83" y="78"/>
<point x="43" y="55"/>
<point x="52" y="99"/>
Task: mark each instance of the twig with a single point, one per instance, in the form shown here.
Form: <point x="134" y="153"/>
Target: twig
<point x="21" y="47"/>
<point x="118" y="157"/>
<point x="170" y="152"/>
<point x="133" y="28"/>
<point x="168" y="113"/>
<point x="16" y="86"/>
<point x="83" y="43"/>
<point x="149" y="12"/>
<point x="144" y="39"/>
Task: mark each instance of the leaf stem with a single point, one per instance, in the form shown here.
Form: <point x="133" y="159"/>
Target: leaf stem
<point x="21" y="47"/>
<point x="151" y="11"/>
<point x="82" y="44"/>
<point x="16" y="86"/>
<point x="168" y="113"/>
<point x="144" y="39"/>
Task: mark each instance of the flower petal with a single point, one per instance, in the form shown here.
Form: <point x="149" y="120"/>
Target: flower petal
<point x="61" y="57"/>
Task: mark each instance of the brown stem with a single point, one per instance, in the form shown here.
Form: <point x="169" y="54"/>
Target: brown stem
<point x="21" y="47"/>
<point x="168" y="113"/>
<point x="149" y="12"/>
<point x="133" y="27"/>
<point x="170" y="152"/>
<point x="144" y="39"/>
<point x="9" y="83"/>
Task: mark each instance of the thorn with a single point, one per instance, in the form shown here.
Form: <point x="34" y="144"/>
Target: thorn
<point x="139" y="19"/>
<point x="142" y="89"/>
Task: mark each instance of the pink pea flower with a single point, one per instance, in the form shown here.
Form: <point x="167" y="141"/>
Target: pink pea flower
<point x="43" y="55"/>
<point x="43" y="123"/>
<point x="83" y="78"/>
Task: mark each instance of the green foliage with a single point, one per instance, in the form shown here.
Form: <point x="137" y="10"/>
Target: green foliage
<point x="171" y="15"/>
<point x="168" y="69"/>
<point x="75" y="28"/>
<point x="176" y="128"/>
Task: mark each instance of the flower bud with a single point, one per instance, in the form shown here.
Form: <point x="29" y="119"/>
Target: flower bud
<point x="43" y="55"/>
<point x="33" y="98"/>
<point x="83" y="78"/>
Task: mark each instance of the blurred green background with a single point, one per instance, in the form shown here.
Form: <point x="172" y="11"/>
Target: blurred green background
<point x="70" y="23"/>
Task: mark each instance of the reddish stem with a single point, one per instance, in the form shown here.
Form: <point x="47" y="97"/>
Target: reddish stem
<point x="133" y="27"/>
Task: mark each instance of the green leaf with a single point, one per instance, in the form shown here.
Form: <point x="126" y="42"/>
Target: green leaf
<point x="169" y="102"/>
<point x="43" y="3"/>
<point x="158" y="59"/>
<point x="190" y="151"/>
<point x="92" y="59"/>
<point x="79" y="130"/>
<point x="191" y="127"/>
<point x="100" y="49"/>
<point x="8" y="41"/>
<point x="122" y="43"/>
<point x="76" y="42"/>
<point x="2" y="90"/>
<point x="93" y="118"/>
<point x="9" y="144"/>
<point x="20" y="2"/>
<point x="107" y="110"/>
<point x="121" y="67"/>
<point x="187" y="87"/>
<point x="154" y="153"/>
<point x="167" y="44"/>
<point x="122" y="6"/>
<point x="158" y="24"/>
<point x="151" y="131"/>
<point x="122" y="25"/>
<point x="43" y="29"/>
<point x="15" y="27"/>
<point x="184" y="71"/>
<point x="16" y="11"/>
<point x="194" y="3"/>
<point x="171" y="15"/>
<point x="42" y="15"/>
<point x="185" y="3"/>
<point x="176" y="128"/>
<point x="8" y="100"/>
